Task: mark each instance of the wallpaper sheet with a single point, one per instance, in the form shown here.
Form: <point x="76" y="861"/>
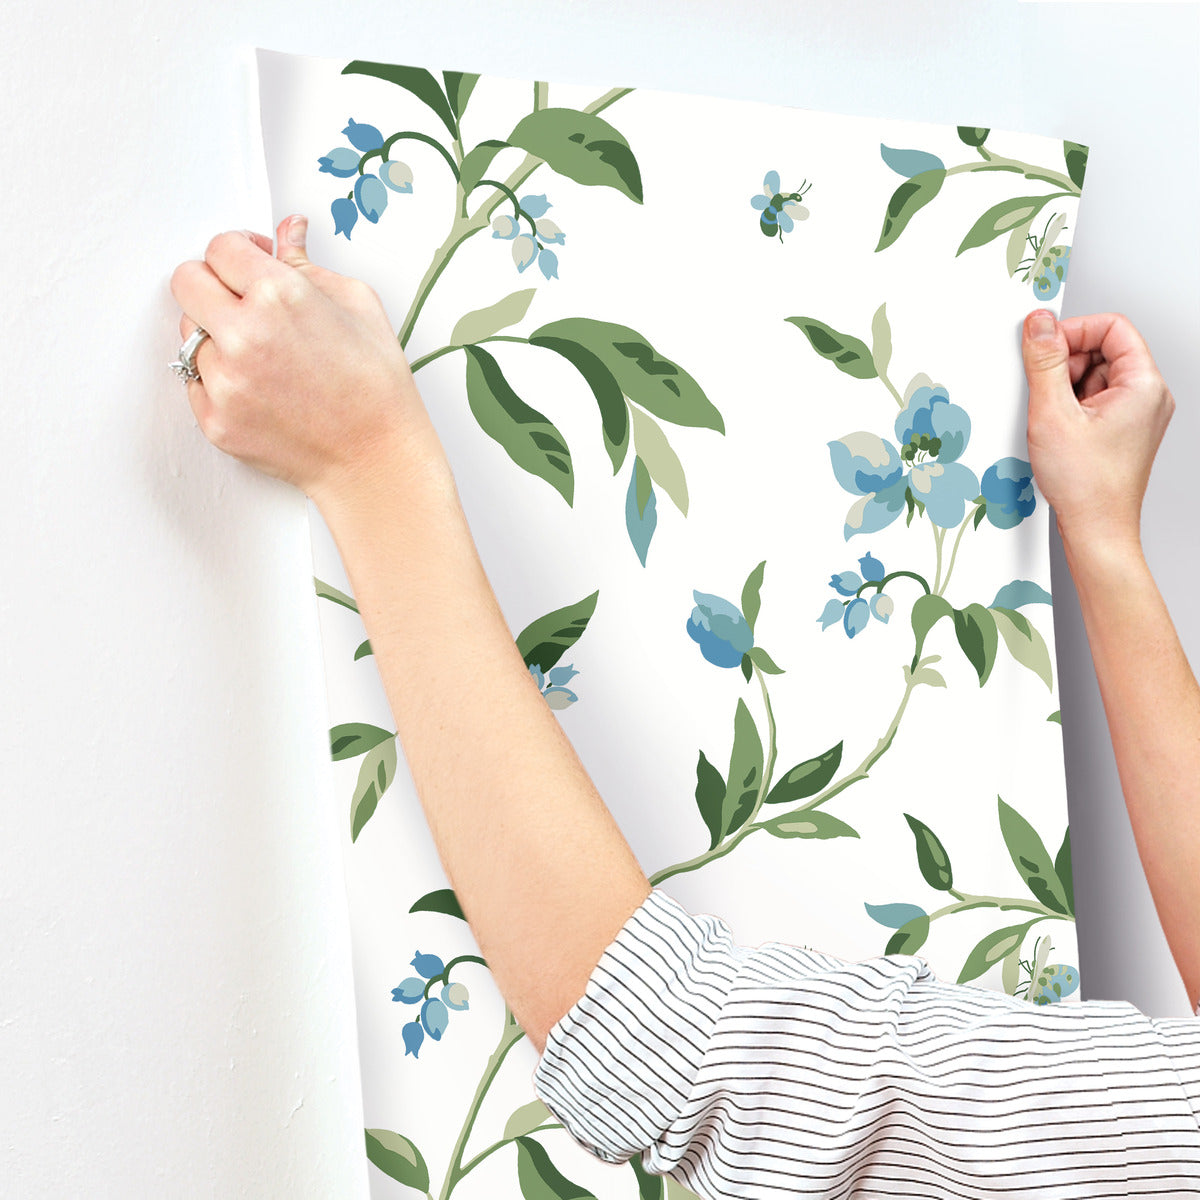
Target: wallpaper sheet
<point x="733" y="396"/>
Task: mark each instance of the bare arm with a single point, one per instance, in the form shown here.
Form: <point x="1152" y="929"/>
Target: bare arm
<point x="1098" y="409"/>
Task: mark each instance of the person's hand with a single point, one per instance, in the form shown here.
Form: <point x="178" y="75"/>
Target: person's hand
<point x="302" y="375"/>
<point x="1098" y="409"/>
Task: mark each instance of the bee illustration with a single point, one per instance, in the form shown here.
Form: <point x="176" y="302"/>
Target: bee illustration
<point x="1047" y="265"/>
<point x="778" y="211"/>
<point x="1047" y="984"/>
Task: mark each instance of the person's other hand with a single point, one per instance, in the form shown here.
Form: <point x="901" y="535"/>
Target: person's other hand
<point x="302" y="375"/>
<point x="1098" y="409"/>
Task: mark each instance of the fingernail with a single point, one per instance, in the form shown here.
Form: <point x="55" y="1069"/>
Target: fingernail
<point x="1041" y="323"/>
<point x="297" y="228"/>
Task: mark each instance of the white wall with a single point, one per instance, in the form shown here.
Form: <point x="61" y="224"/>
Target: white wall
<point x="175" y="1015"/>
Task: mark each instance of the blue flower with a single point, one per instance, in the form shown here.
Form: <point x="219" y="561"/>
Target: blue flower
<point x="719" y="629"/>
<point x="428" y="965"/>
<point x="435" y="1018"/>
<point x="779" y="210"/>
<point x="932" y="434"/>
<point x="397" y="175"/>
<point x="414" y="1035"/>
<point x="363" y="137"/>
<point x="1007" y="486"/>
<point x="855" y="615"/>
<point x="340" y="161"/>
<point x="552" y="684"/>
<point x="345" y="214"/>
<point x="529" y="248"/>
<point x="371" y="196"/>
<point x="410" y="990"/>
<point x="1050" y="272"/>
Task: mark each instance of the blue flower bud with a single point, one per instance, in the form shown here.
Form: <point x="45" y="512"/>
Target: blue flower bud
<point x="882" y="607"/>
<point x="410" y="990"/>
<point x="364" y="137"/>
<point x="538" y="677"/>
<point x="397" y="175"/>
<point x="562" y="674"/>
<point x="524" y="251"/>
<point x="548" y="264"/>
<point x="831" y="613"/>
<point x="845" y="583"/>
<point x="435" y="1018"/>
<point x="455" y="995"/>
<point x="414" y="1035"/>
<point x="428" y="965"/>
<point x="535" y="206"/>
<point x="345" y="214"/>
<point x="871" y="567"/>
<point x="719" y="629"/>
<point x="858" y="613"/>
<point x="340" y="161"/>
<point x="371" y="196"/>
<point x="549" y="234"/>
<point x="559" y="697"/>
<point x="505" y="227"/>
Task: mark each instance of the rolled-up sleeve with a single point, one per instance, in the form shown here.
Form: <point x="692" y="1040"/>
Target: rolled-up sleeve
<point x="775" y="1070"/>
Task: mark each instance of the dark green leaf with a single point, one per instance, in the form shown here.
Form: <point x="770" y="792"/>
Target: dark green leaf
<point x="910" y="937"/>
<point x="813" y="824"/>
<point x="657" y="384"/>
<point x="931" y="856"/>
<point x="747" y="665"/>
<point x="614" y="413"/>
<point x="441" y="901"/>
<point x="1056" y="716"/>
<point x="582" y="146"/>
<point x="1001" y="218"/>
<point x="528" y="438"/>
<point x="710" y="797"/>
<point x="991" y="949"/>
<point x="751" y="600"/>
<point x="973" y="135"/>
<point x="1076" y="157"/>
<point x="975" y="628"/>
<point x="475" y="163"/>
<point x="363" y="650"/>
<point x="349" y="741"/>
<point x="397" y="1158"/>
<point x="908" y="199"/>
<point x="416" y="80"/>
<point x="374" y="778"/>
<point x="980" y="513"/>
<point x="540" y="1179"/>
<point x="1062" y="868"/>
<point x="650" y="1187"/>
<point x="763" y="661"/>
<point x="807" y="778"/>
<point x="459" y="87"/>
<point x="845" y="352"/>
<point x="326" y="591"/>
<point x="545" y="640"/>
<point x="745" y="771"/>
<point x="1031" y="859"/>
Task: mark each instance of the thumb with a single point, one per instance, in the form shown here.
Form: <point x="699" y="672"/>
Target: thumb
<point x="290" y="239"/>
<point x="1047" y="359"/>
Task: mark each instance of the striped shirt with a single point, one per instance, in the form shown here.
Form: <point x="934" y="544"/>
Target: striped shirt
<point x="776" y="1071"/>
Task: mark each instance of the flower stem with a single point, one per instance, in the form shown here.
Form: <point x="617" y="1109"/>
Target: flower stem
<point x="764" y="783"/>
<point x="954" y="552"/>
<point x="382" y="151"/>
<point x="939" y="536"/>
<point x="428" y="358"/>
<point x="502" y="1142"/>
<point x="999" y="163"/>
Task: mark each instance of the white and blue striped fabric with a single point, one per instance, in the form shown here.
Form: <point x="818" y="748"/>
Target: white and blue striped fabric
<point x="776" y="1071"/>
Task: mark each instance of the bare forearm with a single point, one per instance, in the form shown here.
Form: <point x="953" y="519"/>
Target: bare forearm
<point x="543" y="874"/>
<point x="1152" y="703"/>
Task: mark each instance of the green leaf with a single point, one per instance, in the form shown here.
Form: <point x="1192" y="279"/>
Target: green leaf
<point x="910" y="937"/>
<point x="545" y="640"/>
<point x="846" y="353"/>
<point x="349" y="741"/>
<point x="526" y="1118"/>
<point x="931" y="856"/>
<point x="1010" y="972"/>
<point x="659" y="385"/>
<point x="807" y="778"/>
<point x="980" y="512"/>
<point x="747" y="665"/>
<point x="881" y="340"/>
<point x="710" y="797"/>
<point x="476" y="162"/>
<point x="650" y="1187"/>
<point x="483" y="322"/>
<point x="676" y="1191"/>
<point x="1062" y="868"/>
<point x="813" y="824"/>
<point x="975" y="628"/>
<point x="397" y="1158"/>
<point x="1056" y="716"/>
<point x="1024" y="643"/>
<point x="326" y="591"/>
<point x="1017" y="247"/>
<point x="1001" y="218"/>
<point x="991" y="949"/>
<point x="751" y="599"/>
<point x="925" y="673"/>
<point x="374" y="778"/>
<point x="416" y="80"/>
<point x="540" y="1179"/>
<point x="745" y="771"/>
<point x="763" y="661"/>
<point x="643" y="486"/>
<point x="614" y="412"/>
<point x="660" y="460"/>
<point x="907" y="200"/>
<point x="973" y="135"/>
<point x="363" y="650"/>
<point x="459" y="87"/>
<point x="528" y="438"/>
<point x="926" y="612"/>
<point x="1031" y="859"/>
<point x="441" y="901"/>
<point x="582" y="146"/>
<point x="1076" y="158"/>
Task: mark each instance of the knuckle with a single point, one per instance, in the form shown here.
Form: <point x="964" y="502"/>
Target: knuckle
<point x="216" y="244"/>
<point x="180" y="277"/>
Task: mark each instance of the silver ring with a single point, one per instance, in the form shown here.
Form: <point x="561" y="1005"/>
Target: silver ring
<point x="185" y="365"/>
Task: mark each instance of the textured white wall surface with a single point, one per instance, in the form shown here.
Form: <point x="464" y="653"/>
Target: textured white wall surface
<point x="175" y="1008"/>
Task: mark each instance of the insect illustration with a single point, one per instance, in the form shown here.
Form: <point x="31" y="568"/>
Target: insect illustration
<point x="1047" y="265"/>
<point x="1048" y="984"/>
